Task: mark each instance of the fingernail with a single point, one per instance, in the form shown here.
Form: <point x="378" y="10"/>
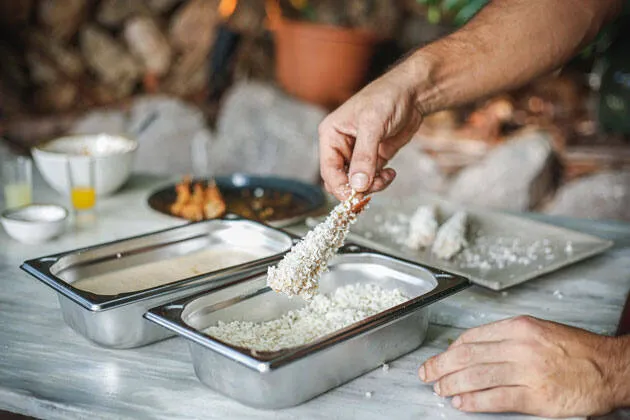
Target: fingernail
<point x="388" y="177"/>
<point x="457" y="401"/>
<point x="359" y="181"/>
<point x="422" y="373"/>
<point x="436" y="388"/>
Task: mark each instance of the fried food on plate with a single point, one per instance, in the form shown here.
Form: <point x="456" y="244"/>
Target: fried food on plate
<point x="197" y="202"/>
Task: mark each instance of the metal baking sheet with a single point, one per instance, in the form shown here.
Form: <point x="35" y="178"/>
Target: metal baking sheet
<point x="116" y="320"/>
<point x="494" y="238"/>
<point x="291" y="376"/>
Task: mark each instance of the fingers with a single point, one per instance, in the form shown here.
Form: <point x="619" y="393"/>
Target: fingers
<point x="466" y="355"/>
<point x="387" y="149"/>
<point x="382" y="180"/>
<point x="496" y="400"/>
<point x="334" y="151"/>
<point x="365" y="154"/>
<point x="478" y="378"/>
<point x="512" y="328"/>
<point x="363" y="150"/>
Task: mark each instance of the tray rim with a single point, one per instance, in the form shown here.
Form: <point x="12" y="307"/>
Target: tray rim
<point x="168" y="315"/>
<point x="40" y="268"/>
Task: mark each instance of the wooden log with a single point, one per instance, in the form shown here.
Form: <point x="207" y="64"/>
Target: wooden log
<point x="249" y="17"/>
<point x="113" y="13"/>
<point x="159" y="7"/>
<point x="26" y="131"/>
<point x="113" y="64"/>
<point x="193" y="26"/>
<point x="41" y="72"/>
<point x="254" y="59"/>
<point x="62" y="18"/>
<point x="189" y="74"/>
<point x="63" y="57"/>
<point x="148" y="44"/>
<point x="60" y="96"/>
<point x="587" y="160"/>
<point x="15" y="14"/>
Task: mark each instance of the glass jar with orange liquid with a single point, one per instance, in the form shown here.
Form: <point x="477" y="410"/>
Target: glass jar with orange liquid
<point x="82" y="183"/>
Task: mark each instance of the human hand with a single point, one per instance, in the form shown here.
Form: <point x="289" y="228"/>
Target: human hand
<point x="358" y="139"/>
<point x="530" y="366"/>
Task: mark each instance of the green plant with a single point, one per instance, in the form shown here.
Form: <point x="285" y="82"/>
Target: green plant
<point x="456" y="11"/>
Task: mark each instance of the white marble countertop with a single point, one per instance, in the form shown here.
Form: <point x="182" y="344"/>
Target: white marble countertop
<point x="48" y="371"/>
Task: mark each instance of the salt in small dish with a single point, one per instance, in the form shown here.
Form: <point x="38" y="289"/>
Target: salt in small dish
<point x="34" y="223"/>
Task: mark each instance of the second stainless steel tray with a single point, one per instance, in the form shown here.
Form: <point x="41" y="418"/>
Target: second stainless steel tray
<point x="291" y="376"/>
<point x="116" y="320"/>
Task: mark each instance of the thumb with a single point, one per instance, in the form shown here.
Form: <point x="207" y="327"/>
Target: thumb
<point x="365" y="156"/>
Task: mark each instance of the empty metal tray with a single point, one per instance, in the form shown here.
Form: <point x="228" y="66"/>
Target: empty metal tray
<point x="116" y="319"/>
<point x="291" y="376"/>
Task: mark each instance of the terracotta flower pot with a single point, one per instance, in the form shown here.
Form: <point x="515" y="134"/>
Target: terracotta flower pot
<point x="322" y="64"/>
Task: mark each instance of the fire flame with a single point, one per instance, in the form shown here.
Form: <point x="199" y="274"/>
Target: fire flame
<point x="227" y="8"/>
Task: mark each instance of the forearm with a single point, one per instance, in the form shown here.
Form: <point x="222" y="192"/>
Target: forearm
<point x="618" y="370"/>
<point x="506" y="45"/>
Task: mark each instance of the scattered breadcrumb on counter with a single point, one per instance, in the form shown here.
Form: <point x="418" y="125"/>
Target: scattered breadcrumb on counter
<point x="299" y="272"/>
<point x="423" y="227"/>
<point x="451" y="237"/>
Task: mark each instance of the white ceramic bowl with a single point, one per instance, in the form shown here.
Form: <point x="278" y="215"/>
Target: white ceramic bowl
<point x="113" y="160"/>
<point x="35" y="223"/>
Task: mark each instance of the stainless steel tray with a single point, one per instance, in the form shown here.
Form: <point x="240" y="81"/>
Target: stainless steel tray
<point x="289" y="377"/>
<point x="544" y="248"/>
<point x="117" y="321"/>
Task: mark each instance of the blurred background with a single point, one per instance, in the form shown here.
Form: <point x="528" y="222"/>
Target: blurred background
<point x="212" y="87"/>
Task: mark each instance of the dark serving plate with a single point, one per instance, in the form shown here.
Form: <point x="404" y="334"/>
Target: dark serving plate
<point x="252" y="196"/>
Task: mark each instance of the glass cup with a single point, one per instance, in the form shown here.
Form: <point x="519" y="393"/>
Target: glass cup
<point x="80" y="172"/>
<point x="17" y="181"/>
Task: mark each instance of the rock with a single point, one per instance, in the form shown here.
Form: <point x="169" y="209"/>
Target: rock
<point x="62" y="18"/>
<point x="416" y="172"/>
<point x="165" y="128"/>
<point x="194" y="25"/>
<point x="109" y="60"/>
<point x="261" y="130"/>
<point x="513" y="176"/>
<point x="112" y="122"/>
<point x="165" y="144"/>
<point x="602" y="196"/>
<point x="113" y="13"/>
<point x="148" y="44"/>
